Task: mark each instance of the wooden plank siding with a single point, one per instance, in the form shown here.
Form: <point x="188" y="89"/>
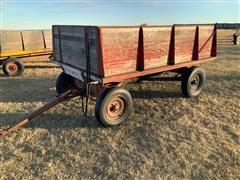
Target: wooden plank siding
<point x="117" y="52"/>
<point x="184" y="43"/>
<point x="205" y="41"/>
<point x="10" y="41"/>
<point x="21" y="43"/>
<point x="120" y="50"/>
<point x="70" y="46"/>
<point x="156" y="46"/>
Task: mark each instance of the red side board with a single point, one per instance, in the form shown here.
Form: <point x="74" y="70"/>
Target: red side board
<point x="120" y="48"/>
<point x="130" y="50"/>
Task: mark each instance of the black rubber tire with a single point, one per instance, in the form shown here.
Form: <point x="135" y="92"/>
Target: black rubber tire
<point x="103" y="101"/>
<point x="18" y="67"/>
<point x="193" y="80"/>
<point x="64" y="83"/>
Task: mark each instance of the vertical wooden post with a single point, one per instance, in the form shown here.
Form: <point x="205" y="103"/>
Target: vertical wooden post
<point x="140" y="51"/>
<point x="195" y="53"/>
<point x="44" y="41"/>
<point x="53" y="42"/>
<point x="23" y="46"/>
<point x="171" y="52"/>
<point x="60" y="44"/>
<point x="0" y="45"/>
<point x="214" y="43"/>
<point x="100" y="54"/>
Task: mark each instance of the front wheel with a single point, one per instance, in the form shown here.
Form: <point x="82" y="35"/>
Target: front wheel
<point x="114" y="106"/>
<point x="12" y="67"/>
<point x="193" y="80"/>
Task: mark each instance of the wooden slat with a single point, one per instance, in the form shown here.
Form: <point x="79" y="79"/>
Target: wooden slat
<point x="33" y="40"/>
<point x="184" y="43"/>
<point x="156" y="46"/>
<point x="205" y="41"/>
<point x="119" y="45"/>
<point x="11" y="41"/>
<point x="73" y="49"/>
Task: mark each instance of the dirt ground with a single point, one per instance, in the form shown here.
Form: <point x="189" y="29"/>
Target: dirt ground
<point x="167" y="135"/>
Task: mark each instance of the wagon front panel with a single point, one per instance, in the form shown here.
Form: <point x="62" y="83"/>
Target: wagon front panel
<point x="73" y="46"/>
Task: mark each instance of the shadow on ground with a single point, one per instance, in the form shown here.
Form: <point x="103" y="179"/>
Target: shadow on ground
<point x="52" y="121"/>
<point x="28" y="90"/>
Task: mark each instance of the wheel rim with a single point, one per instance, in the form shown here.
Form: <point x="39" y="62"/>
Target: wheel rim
<point x="115" y="109"/>
<point x="195" y="82"/>
<point x="12" y="68"/>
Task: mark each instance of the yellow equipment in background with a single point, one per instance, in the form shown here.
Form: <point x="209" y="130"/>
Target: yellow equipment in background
<point x="17" y="44"/>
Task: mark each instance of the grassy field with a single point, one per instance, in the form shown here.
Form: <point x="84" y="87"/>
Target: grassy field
<point x="167" y="135"/>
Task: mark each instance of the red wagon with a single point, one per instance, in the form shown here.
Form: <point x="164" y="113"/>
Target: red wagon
<point x="97" y="59"/>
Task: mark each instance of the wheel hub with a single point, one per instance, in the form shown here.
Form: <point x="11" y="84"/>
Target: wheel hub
<point x="115" y="108"/>
<point x="12" y="68"/>
<point x="195" y="82"/>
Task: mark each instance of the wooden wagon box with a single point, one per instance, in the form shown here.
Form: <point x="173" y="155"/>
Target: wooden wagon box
<point x="119" y="53"/>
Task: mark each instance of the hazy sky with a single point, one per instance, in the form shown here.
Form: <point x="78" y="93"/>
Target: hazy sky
<point x="35" y="14"/>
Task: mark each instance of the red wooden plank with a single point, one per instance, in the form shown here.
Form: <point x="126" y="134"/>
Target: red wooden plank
<point x="184" y="43"/>
<point x="156" y="46"/>
<point x="119" y="45"/>
<point x="205" y="41"/>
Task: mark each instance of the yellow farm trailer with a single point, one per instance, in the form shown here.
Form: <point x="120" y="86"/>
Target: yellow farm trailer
<point x="16" y="45"/>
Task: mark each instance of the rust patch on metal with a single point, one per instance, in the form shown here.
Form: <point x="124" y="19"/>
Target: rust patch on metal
<point x="115" y="109"/>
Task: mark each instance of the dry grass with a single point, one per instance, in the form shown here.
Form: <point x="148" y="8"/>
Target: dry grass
<point x="167" y="135"/>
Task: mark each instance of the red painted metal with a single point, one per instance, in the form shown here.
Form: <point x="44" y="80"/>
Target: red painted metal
<point x="214" y="43"/>
<point x="140" y="51"/>
<point x="195" y="54"/>
<point x="171" y="54"/>
<point x="121" y="77"/>
<point x="100" y="53"/>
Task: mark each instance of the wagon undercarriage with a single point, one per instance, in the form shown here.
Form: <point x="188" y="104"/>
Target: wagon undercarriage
<point x="113" y="102"/>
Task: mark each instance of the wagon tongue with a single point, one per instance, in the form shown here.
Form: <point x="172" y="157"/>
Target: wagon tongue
<point x="63" y="97"/>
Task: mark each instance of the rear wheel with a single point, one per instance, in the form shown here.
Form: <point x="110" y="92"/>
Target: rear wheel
<point x="64" y="83"/>
<point x="114" y="106"/>
<point x="193" y="80"/>
<point x="12" y="67"/>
